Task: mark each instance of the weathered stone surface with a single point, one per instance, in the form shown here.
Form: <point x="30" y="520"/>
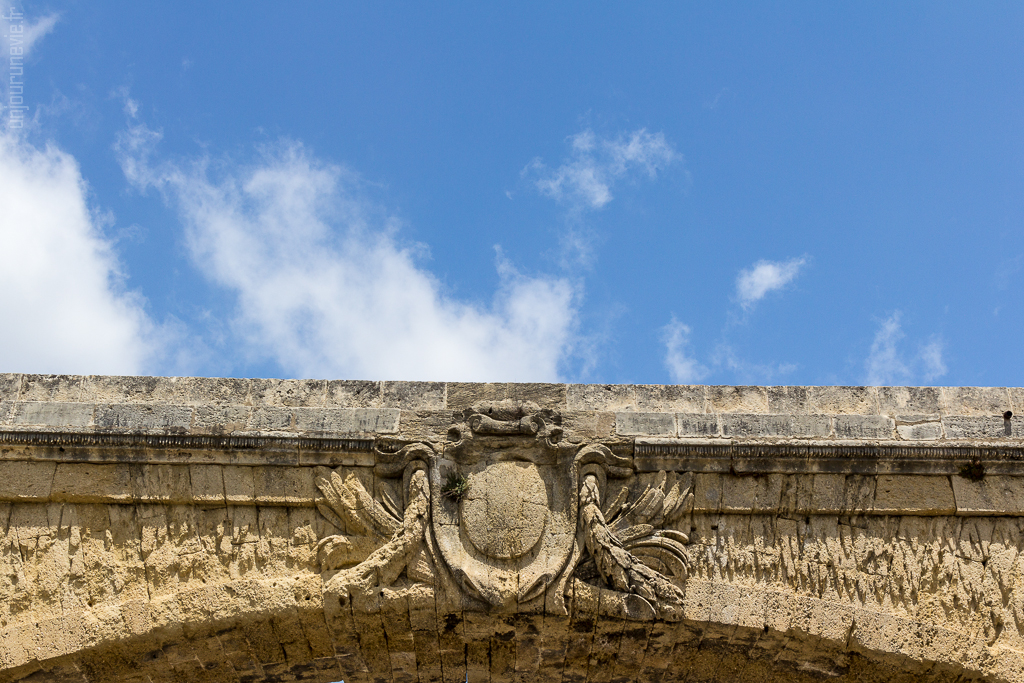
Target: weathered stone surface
<point x="263" y="530"/>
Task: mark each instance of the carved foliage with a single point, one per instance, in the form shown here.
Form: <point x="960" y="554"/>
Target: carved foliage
<point x="526" y="528"/>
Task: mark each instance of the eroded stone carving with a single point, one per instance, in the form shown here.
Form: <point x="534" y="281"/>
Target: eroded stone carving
<point x="540" y="520"/>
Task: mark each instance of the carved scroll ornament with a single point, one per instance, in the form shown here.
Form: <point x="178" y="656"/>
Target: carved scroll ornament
<point x="506" y="515"/>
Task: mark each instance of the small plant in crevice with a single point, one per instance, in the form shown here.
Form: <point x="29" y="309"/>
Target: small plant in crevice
<point x="455" y="487"/>
<point x="973" y="471"/>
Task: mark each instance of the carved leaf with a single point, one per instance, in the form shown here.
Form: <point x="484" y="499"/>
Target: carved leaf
<point x="351" y="503"/>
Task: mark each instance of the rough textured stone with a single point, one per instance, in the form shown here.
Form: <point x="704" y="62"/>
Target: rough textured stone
<point x="100" y="389"/>
<point x="776" y="425"/>
<point x="738" y="399"/>
<point x="603" y="397"/>
<point x="957" y="427"/>
<point x="53" y="414"/>
<point x="908" y="400"/>
<point x="682" y="399"/>
<point x="137" y="416"/>
<point x="288" y="392"/>
<point x="923" y="431"/>
<point x="645" y="424"/>
<point x="413" y="395"/>
<point x="267" y="530"/>
<point x="864" y="427"/>
<point x="843" y="400"/>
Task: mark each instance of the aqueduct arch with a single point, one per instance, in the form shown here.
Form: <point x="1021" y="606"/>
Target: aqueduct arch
<point x="166" y="529"/>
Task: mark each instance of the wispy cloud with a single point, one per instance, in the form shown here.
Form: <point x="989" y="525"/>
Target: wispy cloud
<point x="22" y="32"/>
<point x="754" y="283"/>
<point x="682" y="367"/>
<point x="586" y="179"/>
<point x="745" y="371"/>
<point x="886" y="364"/>
<point x="324" y="287"/>
<point x="934" y="366"/>
<point x="61" y="290"/>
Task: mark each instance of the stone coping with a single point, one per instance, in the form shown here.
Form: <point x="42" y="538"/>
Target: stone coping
<point x="217" y="406"/>
<point x="909" y="404"/>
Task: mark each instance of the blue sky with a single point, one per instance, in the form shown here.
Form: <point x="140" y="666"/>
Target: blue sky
<point x="798" y="193"/>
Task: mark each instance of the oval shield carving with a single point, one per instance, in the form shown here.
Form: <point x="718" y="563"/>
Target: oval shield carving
<point x="505" y="511"/>
<point x="508" y="538"/>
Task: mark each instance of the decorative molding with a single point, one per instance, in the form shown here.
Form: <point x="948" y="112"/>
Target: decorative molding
<point x="67" y="439"/>
<point x="788" y="457"/>
<point x="509" y="516"/>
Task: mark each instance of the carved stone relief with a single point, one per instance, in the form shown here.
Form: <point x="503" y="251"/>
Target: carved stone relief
<point x="511" y="515"/>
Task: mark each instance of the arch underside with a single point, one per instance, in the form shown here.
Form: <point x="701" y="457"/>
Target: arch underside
<point x="281" y="631"/>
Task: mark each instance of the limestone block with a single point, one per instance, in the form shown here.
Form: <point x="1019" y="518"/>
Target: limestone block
<point x="361" y="420"/>
<point x="89" y="483"/>
<point x="413" y="395"/>
<point x="993" y="495"/>
<point x="707" y="492"/>
<point x="289" y="392"/>
<point x="46" y="387"/>
<point x="843" y="400"/>
<point x="913" y="495"/>
<point x="697" y="425"/>
<point x="894" y="401"/>
<point x="604" y="397"/>
<point x="921" y="431"/>
<point x="544" y="395"/>
<point x="161" y="483"/>
<point x="737" y="493"/>
<point x="740" y="399"/>
<point x="462" y="395"/>
<point x="864" y="427"/>
<point x="139" y="416"/>
<point x="828" y="493"/>
<point x="796" y="426"/>
<point x="668" y="399"/>
<point x="218" y="391"/>
<point x="53" y="414"/>
<point x="102" y="389"/>
<point x="858" y="493"/>
<point x="429" y="425"/>
<point x="979" y="401"/>
<point x="220" y="419"/>
<point x="343" y="393"/>
<point x="1016" y="406"/>
<point x="239" y="485"/>
<point x="10" y="386"/>
<point x="284" y="485"/>
<point x="271" y="419"/>
<point x="795" y="400"/>
<point x="6" y="412"/>
<point x="994" y="427"/>
<point x="589" y="424"/>
<point x="24" y="481"/>
<point x="645" y="424"/>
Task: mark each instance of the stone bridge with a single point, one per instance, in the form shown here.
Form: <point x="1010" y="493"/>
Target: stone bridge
<point x="191" y="529"/>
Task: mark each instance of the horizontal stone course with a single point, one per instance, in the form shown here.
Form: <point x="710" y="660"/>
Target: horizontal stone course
<point x="197" y="405"/>
<point x="796" y="426"/>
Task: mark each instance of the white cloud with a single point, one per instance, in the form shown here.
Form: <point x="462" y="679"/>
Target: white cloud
<point x="754" y="283"/>
<point x="60" y="293"/>
<point x="19" y="32"/>
<point x="325" y="288"/>
<point x="682" y="368"/>
<point x="747" y="372"/>
<point x="883" y="364"/>
<point x="931" y="358"/>
<point x="586" y="179"/>
<point x="886" y="365"/>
